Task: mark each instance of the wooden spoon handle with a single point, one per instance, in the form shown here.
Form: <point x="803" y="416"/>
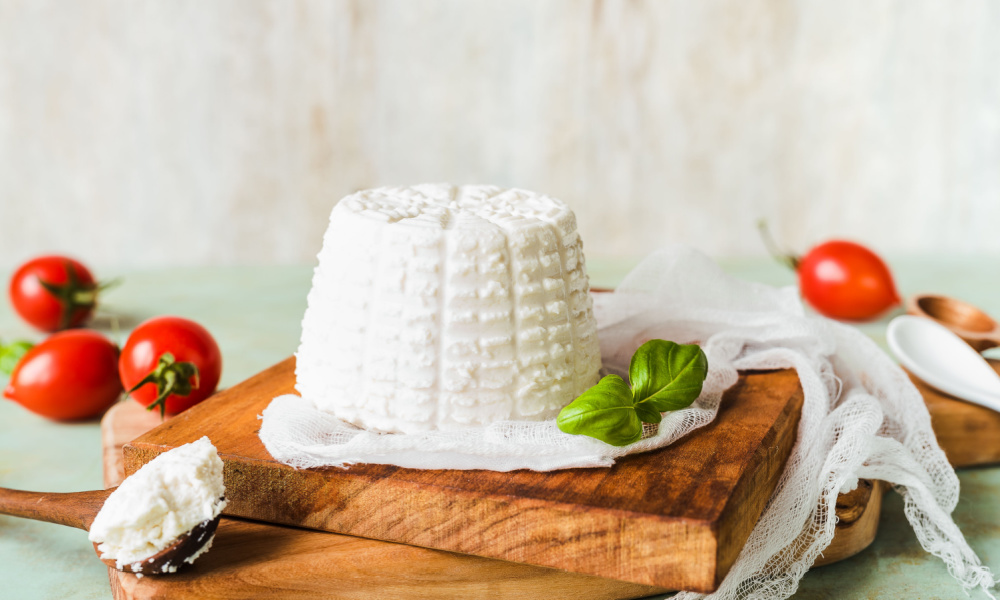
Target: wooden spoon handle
<point x="76" y="509"/>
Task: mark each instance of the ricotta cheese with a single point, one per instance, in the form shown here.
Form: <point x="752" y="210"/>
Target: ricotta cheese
<point x="448" y="307"/>
<point x="166" y="498"/>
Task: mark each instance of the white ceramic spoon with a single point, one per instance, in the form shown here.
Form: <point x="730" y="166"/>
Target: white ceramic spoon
<point x="943" y="360"/>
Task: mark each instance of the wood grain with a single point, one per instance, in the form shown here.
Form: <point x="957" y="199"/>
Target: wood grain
<point x="73" y="509"/>
<point x="969" y="434"/>
<point x="123" y="423"/>
<point x="967" y="321"/>
<point x="673" y="518"/>
<point x="251" y="560"/>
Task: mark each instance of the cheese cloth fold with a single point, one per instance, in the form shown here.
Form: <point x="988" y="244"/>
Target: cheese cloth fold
<point x="861" y="418"/>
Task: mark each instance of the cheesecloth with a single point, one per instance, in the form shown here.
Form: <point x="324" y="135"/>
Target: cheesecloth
<point x="861" y="418"/>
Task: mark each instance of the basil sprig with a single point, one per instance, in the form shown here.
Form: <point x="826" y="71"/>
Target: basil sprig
<point x="665" y="376"/>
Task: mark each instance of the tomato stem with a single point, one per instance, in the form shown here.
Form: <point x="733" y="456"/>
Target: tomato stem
<point x="171" y="378"/>
<point x="72" y="295"/>
<point x="107" y="285"/>
<point x="784" y="257"/>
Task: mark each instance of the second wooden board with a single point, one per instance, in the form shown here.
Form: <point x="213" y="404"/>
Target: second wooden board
<point x="968" y="433"/>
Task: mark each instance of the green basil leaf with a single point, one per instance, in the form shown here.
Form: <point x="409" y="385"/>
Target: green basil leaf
<point x="647" y="413"/>
<point x="11" y="353"/>
<point x="604" y="412"/>
<point x="667" y="375"/>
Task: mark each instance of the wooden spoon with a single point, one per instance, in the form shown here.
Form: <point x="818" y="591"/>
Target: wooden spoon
<point x="965" y="320"/>
<point x="78" y="509"/>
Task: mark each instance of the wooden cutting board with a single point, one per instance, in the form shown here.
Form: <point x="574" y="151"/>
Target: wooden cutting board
<point x="258" y="560"/>
<point x="674" y="518"/>
<point x="243" y="563"/>
<point x="250" y="560"/>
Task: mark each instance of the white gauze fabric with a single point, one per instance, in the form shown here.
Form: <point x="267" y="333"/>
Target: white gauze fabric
<point x="861" y="418"/>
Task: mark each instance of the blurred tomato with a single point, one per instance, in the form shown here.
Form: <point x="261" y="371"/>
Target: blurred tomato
<point x="845" y="280"/>
<point x="53" y="292"/>
<point x="840" y="279"/>
<point x="71" y="375"/>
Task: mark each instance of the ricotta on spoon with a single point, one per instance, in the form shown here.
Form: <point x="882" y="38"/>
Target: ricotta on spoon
<point x="166" y="498"/>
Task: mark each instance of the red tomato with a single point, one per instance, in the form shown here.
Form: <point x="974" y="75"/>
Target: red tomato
<point x="844" y="280"/>
<point x="170" y="362"/>
<point x="53" y="292"/>
<point x="72" y="375"/>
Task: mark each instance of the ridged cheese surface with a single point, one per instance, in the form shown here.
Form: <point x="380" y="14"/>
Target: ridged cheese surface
<point x="446" y="307"/>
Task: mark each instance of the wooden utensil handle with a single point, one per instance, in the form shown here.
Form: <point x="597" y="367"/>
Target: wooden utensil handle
<point x="76" y="509"/>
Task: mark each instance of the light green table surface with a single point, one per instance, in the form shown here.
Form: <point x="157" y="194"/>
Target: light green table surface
<point x="254" y="312"/>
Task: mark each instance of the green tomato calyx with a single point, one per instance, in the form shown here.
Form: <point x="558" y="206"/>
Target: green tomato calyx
<point x="171" y="378"/>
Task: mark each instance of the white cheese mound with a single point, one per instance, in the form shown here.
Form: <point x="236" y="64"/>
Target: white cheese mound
<point x="446" y="307"/>
<point x="167" y="497"/>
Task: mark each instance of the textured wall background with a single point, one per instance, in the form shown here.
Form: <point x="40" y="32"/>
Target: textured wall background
<point x="144" y="133"/>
